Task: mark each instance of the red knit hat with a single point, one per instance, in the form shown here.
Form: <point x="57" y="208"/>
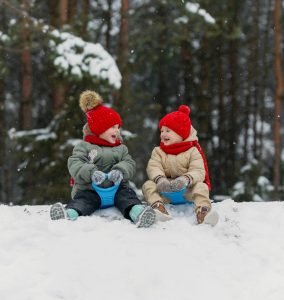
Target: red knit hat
<point x="178" y="121"/>
<point x="100" y="118"/>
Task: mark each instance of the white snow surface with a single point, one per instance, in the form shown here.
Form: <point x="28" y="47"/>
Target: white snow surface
<point x="106" y="257"/>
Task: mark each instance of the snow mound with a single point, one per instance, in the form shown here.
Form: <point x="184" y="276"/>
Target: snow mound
<point x="106" y="257"/>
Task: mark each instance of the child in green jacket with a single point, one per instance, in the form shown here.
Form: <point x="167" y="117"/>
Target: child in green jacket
<point x="101" y="153"/>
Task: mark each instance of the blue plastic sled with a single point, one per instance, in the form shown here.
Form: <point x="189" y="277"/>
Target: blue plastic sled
<point x="106" y="194"/>
<point x="176" y="198"/>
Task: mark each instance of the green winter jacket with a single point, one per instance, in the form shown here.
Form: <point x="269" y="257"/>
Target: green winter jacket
<point x="87" y="158"/>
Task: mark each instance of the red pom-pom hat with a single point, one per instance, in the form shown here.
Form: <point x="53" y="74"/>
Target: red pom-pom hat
<point x="178" y="121"/>
<point x="100" y="118"/>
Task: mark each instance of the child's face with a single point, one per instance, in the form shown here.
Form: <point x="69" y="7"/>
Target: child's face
<point x="111" y="135"/>
<point x="169" y="137"/>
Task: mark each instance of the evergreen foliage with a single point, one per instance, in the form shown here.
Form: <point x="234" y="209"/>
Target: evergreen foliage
<point x="213" y="56"/>
<point x="253" y="186"/>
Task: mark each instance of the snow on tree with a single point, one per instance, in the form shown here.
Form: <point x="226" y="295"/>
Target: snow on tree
<point x="77" y="58"/>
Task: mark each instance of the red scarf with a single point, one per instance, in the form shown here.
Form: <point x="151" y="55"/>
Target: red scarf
<point x="92" y="139"/>
<point x="184" y="146"/>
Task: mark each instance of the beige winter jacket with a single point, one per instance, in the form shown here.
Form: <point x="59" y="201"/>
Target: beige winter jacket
<point x="189" y="163"/>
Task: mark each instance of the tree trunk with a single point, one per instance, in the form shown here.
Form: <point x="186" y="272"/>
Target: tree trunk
<point x="248" y="106"/>
<point x="246" y="119"/>
<point x="233" y="65"/>
<point x="233" y="133"/>
<point x="162" y="95"/>
<point x="26" y="66"/>
<point x="204" y="102"/>
<point x="85" y="18"/>
<point x="72" y="10"/>
<point x="6" y="156"/>
<point x="58" y="97"/>
<point x="123" y="103"/>
<point x="278" y="96"/>
<point x="256" y="84"/>
<point x="53" y="13"/>
<point x="3" y="142"/>
<point x="109" y="24"/>
<point x="63" y="12"/>
<point x="220" y="180"/>
<point x="60" y="9"/>
<point x="186" y="57"/>
<point x="265" y="72"/>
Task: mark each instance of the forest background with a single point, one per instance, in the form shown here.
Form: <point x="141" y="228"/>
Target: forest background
<point x="222" y="58"/>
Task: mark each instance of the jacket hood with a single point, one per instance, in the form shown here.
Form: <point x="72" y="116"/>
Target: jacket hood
<point x="192" y="136"/>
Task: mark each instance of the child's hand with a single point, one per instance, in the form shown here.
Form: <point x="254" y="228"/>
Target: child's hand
<point x="163" y="185"/>
<point x="115" y="176"/>
<point x="179" y="183"/>
<point x="98" y="177"/>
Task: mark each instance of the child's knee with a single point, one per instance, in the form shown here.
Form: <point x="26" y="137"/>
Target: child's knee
<point x="200" y="188"/>
<point x="149" y="184"/>
<point x="150" y="192"/>
<point x="200" y="194"/>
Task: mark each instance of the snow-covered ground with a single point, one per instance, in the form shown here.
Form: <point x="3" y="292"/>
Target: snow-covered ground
<point x="106" y="257"/>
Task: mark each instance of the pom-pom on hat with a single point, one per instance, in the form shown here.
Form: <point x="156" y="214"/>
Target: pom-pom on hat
<point x="178" y="121"/>
<point x="100" y="118"/>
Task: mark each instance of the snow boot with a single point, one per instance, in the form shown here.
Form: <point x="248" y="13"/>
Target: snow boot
<point x="205" y="215"/>
<point x="142" y="216"/>
<point x="161" y="212"/>
<point x="211" y="218"/>
<point x="57" y="212"/>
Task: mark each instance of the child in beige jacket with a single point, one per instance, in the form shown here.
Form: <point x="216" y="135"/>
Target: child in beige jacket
<point x="177" y="163"/>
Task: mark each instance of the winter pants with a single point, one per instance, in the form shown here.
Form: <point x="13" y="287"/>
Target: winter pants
<point x="88" y="201"/>
<point x="198" y="193"/>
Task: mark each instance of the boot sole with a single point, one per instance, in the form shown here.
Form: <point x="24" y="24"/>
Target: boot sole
<point x="162" y="217"/>
<point x="211" y="218"/>
<point x="147" y="218"/>
<point x="57" y="212"/>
